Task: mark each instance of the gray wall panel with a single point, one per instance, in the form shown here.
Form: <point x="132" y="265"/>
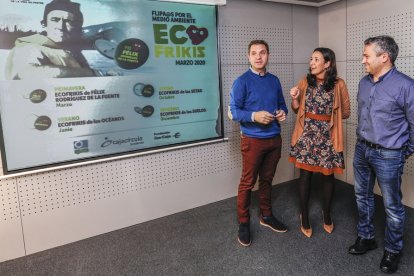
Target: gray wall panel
<point x="304" y="42"/>
<point x="11" y="236"/>
<point x="256" y="14"/>
<point x="332" y="28"/>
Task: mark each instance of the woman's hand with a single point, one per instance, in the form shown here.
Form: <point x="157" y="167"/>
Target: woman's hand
<point x="294" y="93"/>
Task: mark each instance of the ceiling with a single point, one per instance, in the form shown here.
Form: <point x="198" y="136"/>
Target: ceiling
<point x="313" y="3"/>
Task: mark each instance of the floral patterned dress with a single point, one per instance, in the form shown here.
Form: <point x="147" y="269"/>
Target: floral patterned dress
<point x="314" y="150"/>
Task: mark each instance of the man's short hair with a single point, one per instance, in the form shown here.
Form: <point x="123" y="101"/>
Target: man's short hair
<point x="384" y="44"/>
<point x="258" y="41"/>
<point x="64" y="5"/>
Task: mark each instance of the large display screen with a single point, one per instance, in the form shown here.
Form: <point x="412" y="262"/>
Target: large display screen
<point x="94" y="78"/>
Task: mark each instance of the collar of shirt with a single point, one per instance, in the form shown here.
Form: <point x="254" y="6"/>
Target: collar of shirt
<point x="381" y="78"/>
<point x="258" y="73"/>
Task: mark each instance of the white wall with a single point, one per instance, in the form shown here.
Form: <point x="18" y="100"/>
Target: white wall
<point x="45" y="210"/>
<point x="343" y="26"/>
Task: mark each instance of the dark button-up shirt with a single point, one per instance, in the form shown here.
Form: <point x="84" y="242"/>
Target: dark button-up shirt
<point x="386" y="111"/>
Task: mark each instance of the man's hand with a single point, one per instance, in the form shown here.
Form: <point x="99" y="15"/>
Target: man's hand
<point x="280" y="115"/>
<point x="263" y="117"/>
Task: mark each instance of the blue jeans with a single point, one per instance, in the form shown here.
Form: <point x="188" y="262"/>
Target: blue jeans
<point x="385" y="165"/>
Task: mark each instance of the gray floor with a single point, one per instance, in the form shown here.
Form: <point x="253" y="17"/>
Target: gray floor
<point x="202" y="241"/>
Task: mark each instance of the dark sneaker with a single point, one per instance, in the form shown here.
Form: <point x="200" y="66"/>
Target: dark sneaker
<point x="273" y="224"/>
<point x="244" y="234"/>
<point x="361" y="246"/>
<point x="389" y="262"/>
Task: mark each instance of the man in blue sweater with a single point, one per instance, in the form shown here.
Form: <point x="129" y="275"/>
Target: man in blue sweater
<point x="257" y="102"/>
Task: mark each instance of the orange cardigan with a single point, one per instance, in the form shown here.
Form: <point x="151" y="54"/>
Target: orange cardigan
<point x="341" y="110"/>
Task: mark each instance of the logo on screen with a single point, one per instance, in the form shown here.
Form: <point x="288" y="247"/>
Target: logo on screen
<point x="132" y="141"/>
<point x="80" y="146"/>
<point x="162" y="135"/>
<point x="170" y="40"/>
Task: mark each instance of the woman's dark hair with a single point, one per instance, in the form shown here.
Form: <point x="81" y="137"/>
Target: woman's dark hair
<point x="331" y="72"/>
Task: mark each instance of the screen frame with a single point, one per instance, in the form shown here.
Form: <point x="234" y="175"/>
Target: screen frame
<point x="126" y="154"/>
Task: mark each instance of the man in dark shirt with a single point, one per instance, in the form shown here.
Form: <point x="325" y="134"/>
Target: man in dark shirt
<point x="385" y="135"/>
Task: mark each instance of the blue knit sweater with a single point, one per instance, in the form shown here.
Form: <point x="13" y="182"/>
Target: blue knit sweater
<point x="252" y="93"/>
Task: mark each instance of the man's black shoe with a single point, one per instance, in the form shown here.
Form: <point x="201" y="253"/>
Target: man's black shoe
<point x="389" y="262"/>
<point x="273" y="223"/>
<point x="244" y="234"/>
<point x="361" y="246"/>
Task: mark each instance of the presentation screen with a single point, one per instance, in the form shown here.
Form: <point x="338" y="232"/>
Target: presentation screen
<point x="87" y="79"/>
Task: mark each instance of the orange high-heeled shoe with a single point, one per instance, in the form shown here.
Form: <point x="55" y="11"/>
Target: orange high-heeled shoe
<point x="327" y="227"/>
<point x="306" y="232"/>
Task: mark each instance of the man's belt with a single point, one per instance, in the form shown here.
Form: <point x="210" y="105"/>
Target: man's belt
<point x="371" y="145"/>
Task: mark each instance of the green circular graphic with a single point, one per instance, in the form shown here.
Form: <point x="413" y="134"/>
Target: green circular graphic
<point x="131" y="53"/>
<point x="37" y="96"/>
<point x="146" y="111"/>
<point x="138" y="87"/>
<point x="148" y="90"/>
<point x="42" y="123"/>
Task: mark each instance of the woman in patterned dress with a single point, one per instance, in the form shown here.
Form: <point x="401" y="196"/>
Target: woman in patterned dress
<point x="321" y="101"/>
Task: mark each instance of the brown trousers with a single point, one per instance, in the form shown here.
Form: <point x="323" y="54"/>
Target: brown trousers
<point x="260" y="158"/>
